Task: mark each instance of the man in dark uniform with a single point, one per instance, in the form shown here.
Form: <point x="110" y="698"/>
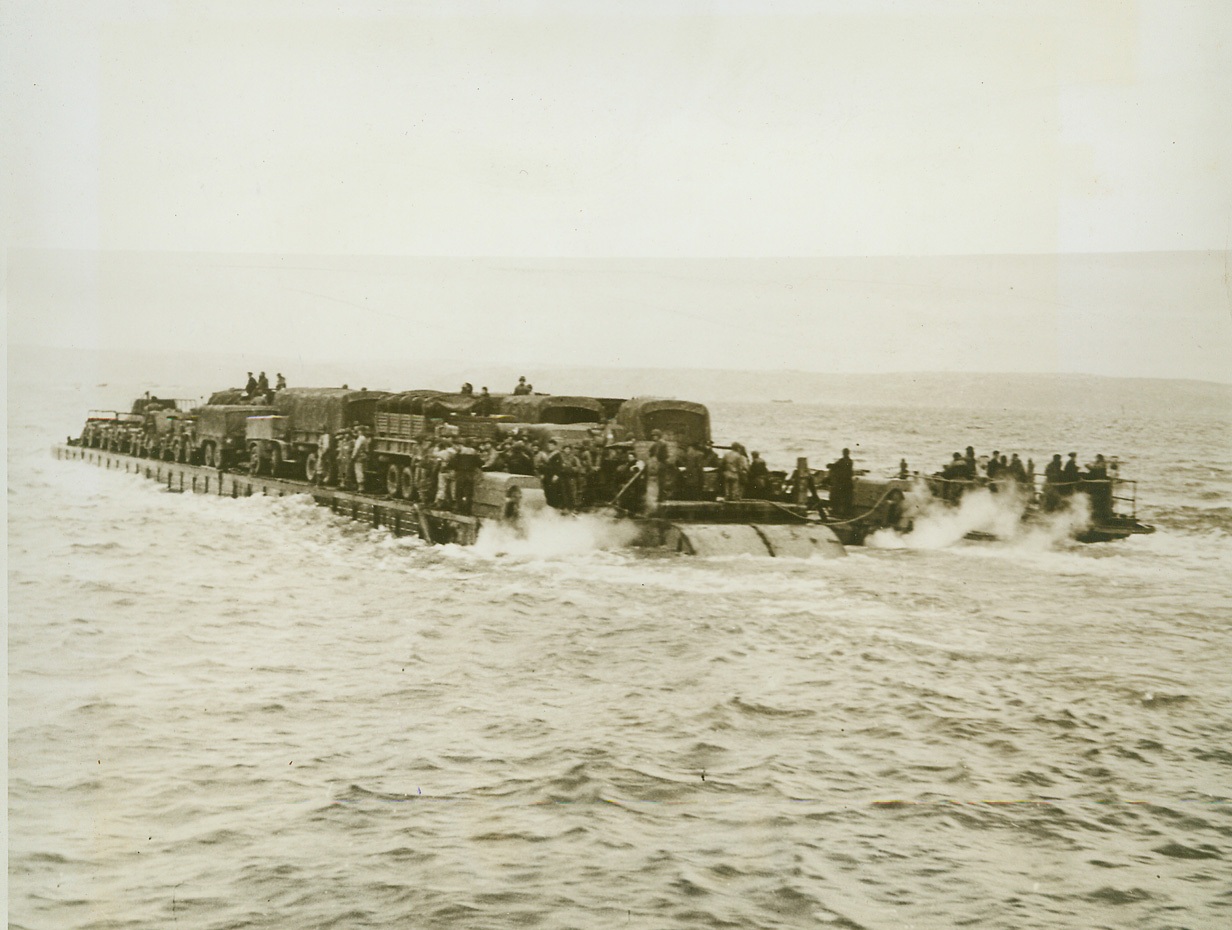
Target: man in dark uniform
<point x="1099" y="488"/>
<point x="758" y="478"/>
<point x="1017" y="470"/>
<point x="547" y="467"/>
<point x="694" y="473"/>
<point x="1052" y="483"/>
<point x="842" y="476"/>
<point x="1070" y="475"/>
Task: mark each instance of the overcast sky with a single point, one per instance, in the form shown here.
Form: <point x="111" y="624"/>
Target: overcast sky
<point x="535" y="181"/>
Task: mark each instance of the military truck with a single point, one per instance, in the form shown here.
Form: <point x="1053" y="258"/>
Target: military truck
<point x="159" y="423"/>
<point x="284" y="439"/>
<point x="680" y="422"/>
<point x="112" y="430"/>
<point x="219" y="433"/>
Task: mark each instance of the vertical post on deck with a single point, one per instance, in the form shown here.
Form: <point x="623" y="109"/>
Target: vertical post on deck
<point x="802" y="481"/>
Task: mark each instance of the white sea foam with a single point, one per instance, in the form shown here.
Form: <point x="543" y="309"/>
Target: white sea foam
<point x="549" y="534"/>
<point x="937" y="524"/>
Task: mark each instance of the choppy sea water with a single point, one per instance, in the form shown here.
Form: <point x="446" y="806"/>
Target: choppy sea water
<point x="252" y="713"/>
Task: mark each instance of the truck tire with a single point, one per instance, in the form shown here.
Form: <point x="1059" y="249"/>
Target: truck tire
<point x="392" y="479"/>
<point x="310" y="466"/>
<point x="207" y="452"/>
<point x="407" y="483"/>
<point x="276" y="461"/>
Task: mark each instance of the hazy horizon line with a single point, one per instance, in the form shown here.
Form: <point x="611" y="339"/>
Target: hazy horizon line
<point x="631" y="257"/>
<point x="533" y="368"/>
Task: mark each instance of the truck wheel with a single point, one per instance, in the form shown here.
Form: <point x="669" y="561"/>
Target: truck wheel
<point x="310" y="466"/>
<point x="276" y="461"/>
<point x="407" y="483"/>
<point x="208" y="453"/>
<point x="392" y="476"/>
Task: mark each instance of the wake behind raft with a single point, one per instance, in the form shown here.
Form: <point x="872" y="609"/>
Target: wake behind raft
<point x="443" y="466"/>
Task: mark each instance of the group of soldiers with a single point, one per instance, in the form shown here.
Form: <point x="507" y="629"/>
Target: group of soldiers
<point x="258" y="391"/>
<point x="995" y="472"/>
<point x="1064" y="480"/>
<point x="1061" y="479"/>
<point x="342" y="458"/>
<point x="574" y="475"/>
<point x="699" y="472"/>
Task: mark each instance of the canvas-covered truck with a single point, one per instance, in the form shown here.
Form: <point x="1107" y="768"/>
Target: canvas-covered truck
<point x="567" y="419"/>
<point x="283" y="440"/>
<point x="400" y="425"/>
<point x="680" y="422"/>
<point x="402" y="422"/>
<point x="551" y="408"/>
<point x="220" y="433"/>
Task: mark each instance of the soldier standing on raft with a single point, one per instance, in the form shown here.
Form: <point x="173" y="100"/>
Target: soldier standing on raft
<point x="324" y="454"/>
<point x="656" y="469"/>
<point x="759" y="477"/>
<point x="694" y="473"/>
<point x="359" y="457"/>
<point x="427" y="474"/>
<point x="625" y="478"/>
<point x="344" y="459"/>
<point x="547" y="467"/>
<point x="250" y="388"/>
<point x="1017" y="470"/>
<point x="1052" y="480"/>
<point x="1070" y="475"/>
<point x="465" y="468"/>
<point x="841" y="477"/>
<point x="523" y="387"/>
<point x="1100" y="491"/>
<point x="735" y="469"/>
